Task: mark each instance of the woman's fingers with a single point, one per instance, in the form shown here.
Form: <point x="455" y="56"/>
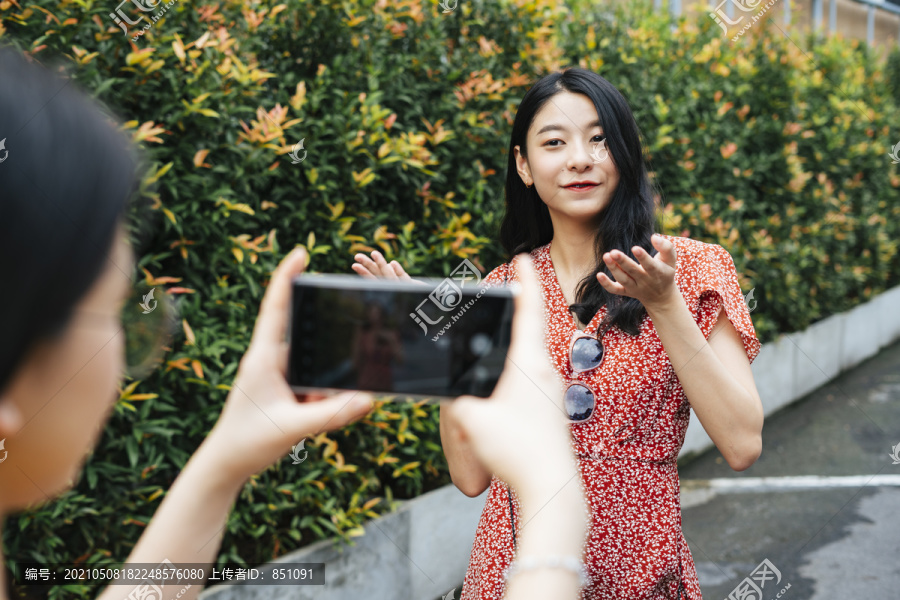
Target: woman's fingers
<point x="631" y="268"/>
<point x="617" y="270"/>
<point x="609" y="284"/>
<point x="271" y="321"/>
<point x="362" y="271"/>
<point x="527" y="373"/>
<point x="377" y="266"/>
<point x="386" y="270"/>
<point x="329" y="413"/>
<point x="398" y="270"/>
<point x="527" y="327"/>
<point x="366" y="263"/>
<point x="667" y="252"/>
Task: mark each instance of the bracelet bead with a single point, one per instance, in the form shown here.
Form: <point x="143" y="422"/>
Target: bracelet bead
<point x="529" y="563"/>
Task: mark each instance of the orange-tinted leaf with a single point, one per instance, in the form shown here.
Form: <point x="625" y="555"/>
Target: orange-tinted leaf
<point x="178" y="48"/>
<point x="188" y="333"/>
<point x="154" y="281"/>
<point x="180" y="364"/>
<point x="133" y="522"/>
<point x="199" y="157"/>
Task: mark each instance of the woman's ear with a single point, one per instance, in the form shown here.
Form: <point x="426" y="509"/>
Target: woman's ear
<point x="522" y="167"/>
<point x="11" y="418"/>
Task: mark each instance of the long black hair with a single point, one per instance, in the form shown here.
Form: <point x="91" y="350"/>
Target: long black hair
<point x="65" y="179"/>
<point x="629" y="219"/>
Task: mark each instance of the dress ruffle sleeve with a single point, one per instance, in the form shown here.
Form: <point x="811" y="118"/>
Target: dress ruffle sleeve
<point x="715" y="286"/>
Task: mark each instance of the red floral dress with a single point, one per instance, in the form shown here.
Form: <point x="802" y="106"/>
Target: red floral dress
<point x="627" y="450"/>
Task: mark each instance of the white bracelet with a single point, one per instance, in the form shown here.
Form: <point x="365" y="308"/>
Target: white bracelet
<point x="529" y="563"/>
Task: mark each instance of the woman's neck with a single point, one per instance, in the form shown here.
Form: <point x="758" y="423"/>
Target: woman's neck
<point x="572" y="255"/>
<point x="572" y="246"/>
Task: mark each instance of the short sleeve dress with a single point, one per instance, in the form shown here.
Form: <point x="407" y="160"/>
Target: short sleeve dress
<point x="626" y="453"/>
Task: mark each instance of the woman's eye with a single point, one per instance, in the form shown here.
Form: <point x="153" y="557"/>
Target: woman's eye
<point x="602" y="139"/>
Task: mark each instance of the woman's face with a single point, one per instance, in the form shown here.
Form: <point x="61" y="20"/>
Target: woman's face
<point x="375" y="314"/>
<point x="54" y="409"/>
<point x="562" y="146"/>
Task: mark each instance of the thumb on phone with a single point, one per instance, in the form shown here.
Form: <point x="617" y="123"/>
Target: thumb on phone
<point x="527" y="403"/>
<point x="331" y="413"/>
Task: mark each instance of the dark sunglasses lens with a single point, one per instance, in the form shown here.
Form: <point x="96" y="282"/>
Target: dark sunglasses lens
<point x="587" y="352"/>
<point x="579" y="402"/>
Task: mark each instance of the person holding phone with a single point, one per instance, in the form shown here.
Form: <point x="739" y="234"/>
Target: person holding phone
<point x="60" y="363"/>
<point x="641" y="329"/>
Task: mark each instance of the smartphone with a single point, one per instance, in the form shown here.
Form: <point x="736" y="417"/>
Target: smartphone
<point x="436" y="341"/>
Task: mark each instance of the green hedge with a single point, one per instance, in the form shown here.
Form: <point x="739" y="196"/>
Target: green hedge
<point x="778" y="154"/>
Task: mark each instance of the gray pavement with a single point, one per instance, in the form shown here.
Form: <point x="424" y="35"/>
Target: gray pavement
<point x="837" y="541"/>
<point x="840" y="540"/>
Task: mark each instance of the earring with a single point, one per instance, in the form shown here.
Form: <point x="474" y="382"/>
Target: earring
<point x="528" y="185"/>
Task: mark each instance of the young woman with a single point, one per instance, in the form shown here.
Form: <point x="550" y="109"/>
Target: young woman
<point x="640" y="328"/>
<point x="60" y="362"/>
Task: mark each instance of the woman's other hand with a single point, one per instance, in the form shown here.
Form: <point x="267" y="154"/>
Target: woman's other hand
<point x="377" y="267"/>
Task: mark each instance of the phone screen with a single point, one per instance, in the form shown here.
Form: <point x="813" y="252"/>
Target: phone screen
<point x="398" y="337"/>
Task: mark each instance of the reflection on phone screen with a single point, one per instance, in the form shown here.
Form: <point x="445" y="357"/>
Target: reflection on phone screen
<point x="366" y="339"/>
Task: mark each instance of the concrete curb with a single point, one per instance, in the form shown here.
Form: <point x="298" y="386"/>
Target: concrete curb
<point x="795" y="364"/>
<point x="421" y="551"/>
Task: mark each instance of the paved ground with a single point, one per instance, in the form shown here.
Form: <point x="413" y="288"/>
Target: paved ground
<point x="841" y="540"/>
<point x="835" y="535"/>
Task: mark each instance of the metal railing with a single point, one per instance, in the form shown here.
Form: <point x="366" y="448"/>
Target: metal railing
<point x="872" y="6"/>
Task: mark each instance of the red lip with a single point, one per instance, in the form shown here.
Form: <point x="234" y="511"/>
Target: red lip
<point x="581" y="183"/>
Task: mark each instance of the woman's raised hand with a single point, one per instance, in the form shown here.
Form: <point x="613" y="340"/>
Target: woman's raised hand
<point x="377" y="267"/>
<point x="262" y="416"/>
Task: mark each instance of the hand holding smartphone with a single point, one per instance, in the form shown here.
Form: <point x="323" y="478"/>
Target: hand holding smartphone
<point x="438" y="341"/>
